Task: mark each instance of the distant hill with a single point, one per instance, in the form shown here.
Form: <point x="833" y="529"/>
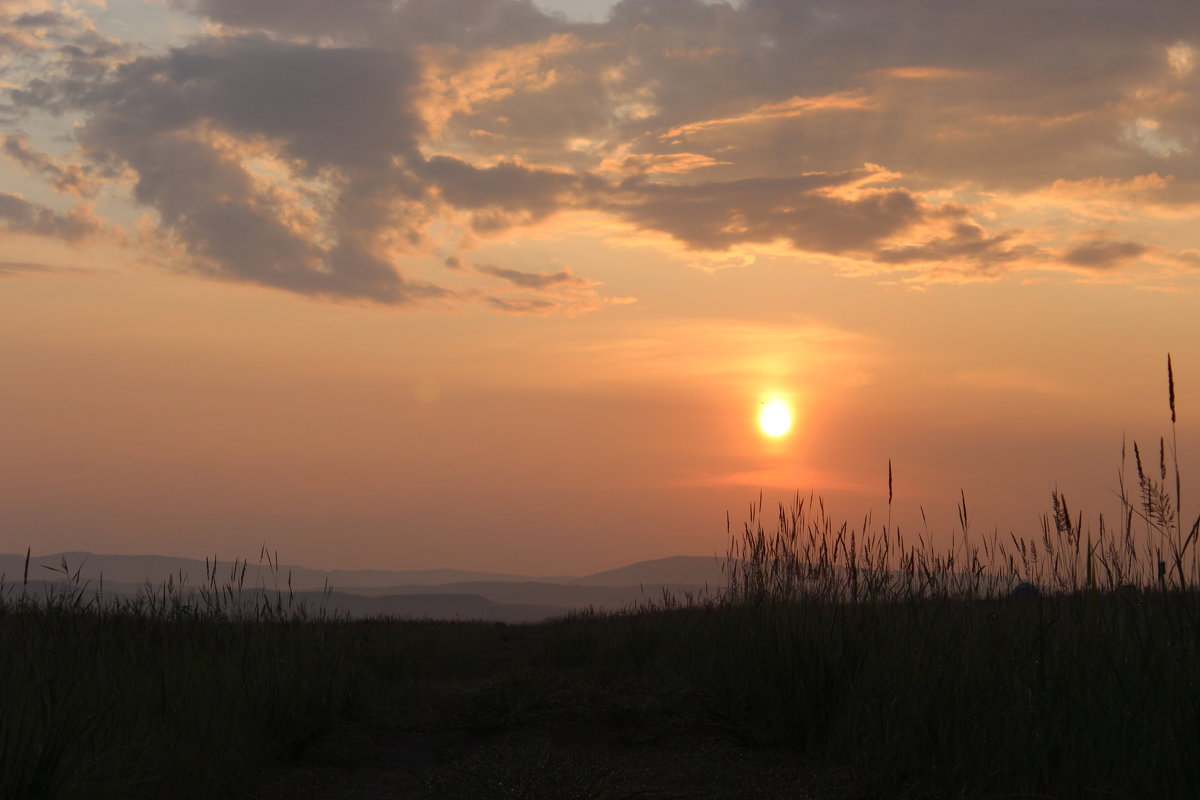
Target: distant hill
<point x="434" y="606"/>
<point x="690" y="570"/>
<point x="139" y="569"/>
<point x="433" y="594"/>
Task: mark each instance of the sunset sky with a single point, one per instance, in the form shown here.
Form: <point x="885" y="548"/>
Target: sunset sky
<point x="504" y="285"/>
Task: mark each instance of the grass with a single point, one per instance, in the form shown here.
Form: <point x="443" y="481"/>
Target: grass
<point x="117" y="701"/>
<point x="909" y="671"/>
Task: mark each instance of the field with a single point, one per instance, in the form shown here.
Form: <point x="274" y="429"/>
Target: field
<point x="914" y="688"/>
<point x="839" y="662"/>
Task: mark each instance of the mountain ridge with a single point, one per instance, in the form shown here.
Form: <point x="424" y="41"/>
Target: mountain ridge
<point x="120" y="568"/>
<point x="443" y="594"/>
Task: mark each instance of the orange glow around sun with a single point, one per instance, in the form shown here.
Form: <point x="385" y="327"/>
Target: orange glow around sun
<point x="775" y="419"/>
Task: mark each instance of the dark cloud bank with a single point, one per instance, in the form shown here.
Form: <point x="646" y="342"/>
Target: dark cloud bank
<point x="381" y="116"/>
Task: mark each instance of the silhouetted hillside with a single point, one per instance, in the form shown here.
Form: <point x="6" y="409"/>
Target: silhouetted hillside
<point x="432" y="594"/>
<point x="689" y="570"/>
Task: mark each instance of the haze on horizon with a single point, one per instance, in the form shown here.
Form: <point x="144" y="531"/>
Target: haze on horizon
<point x="503" y="286"/>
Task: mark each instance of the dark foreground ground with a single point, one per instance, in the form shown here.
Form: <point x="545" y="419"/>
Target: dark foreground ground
<point x="532" y="731"/>
<point x="1085" y="695"/>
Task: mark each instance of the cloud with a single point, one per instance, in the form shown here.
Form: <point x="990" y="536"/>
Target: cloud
<point x="800" y="210"/>
<point x="661" y="163"/>
<point x="72" y="178"/>
<point x="1156" y="195"/>
<point x="531" y="280"/>
<point x="738" y="354"/>
<point x="783" y="109"/>
<point x="502" y="195"/>
<point x="10" y="268"/>
<point x="312" y="103"/>
<point x="406" y="23"/>
<point x="547" y="293"/>
<point x="18" y="215"/>
<point x="1011" y="379"/>
<point x="456" y="83"/>
<point x="916" y="73"/>
<point x="570" y="304"/>
<point x="1189" y="258"/>
<point x="965" y="243"/>
<point x="535" y="306"/>
<point x="1103" y="254"/>
<point x="775" y="477"/>
<point x="52" y="54"/>
<point x="330" y="149"/>
<point x="272" y="162"/>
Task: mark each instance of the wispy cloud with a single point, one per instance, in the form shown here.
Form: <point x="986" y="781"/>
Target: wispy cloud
<point x="530" y="280"/>
<point x="1103" y="254"/>
<point x="9" y="268"/>
<point x="783" y="109"/>
<point x="18" y="215"/>
<point x="64" y="176"/>
<point x="1012" y="379"/>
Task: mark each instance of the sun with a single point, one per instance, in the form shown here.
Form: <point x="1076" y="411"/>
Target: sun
<point x="775" y="418"/>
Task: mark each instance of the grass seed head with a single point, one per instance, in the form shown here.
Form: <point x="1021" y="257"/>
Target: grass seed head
<point x="1171" y="387"/>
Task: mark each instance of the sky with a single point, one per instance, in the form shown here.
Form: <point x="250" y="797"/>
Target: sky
<point x="504" y="285"/>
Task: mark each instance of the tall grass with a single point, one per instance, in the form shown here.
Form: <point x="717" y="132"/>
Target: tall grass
<point x="170" y="693"/>
<point x="928" y="674"/>
<point x="1063" y="664"/>
<point x="188" y="692"/>
<point x="928" y="669"/>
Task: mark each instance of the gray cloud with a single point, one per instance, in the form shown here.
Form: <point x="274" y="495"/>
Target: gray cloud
<point x="63" y="176"/>
<point x="717" y="216"/>
<point x="1103" y="254"/>
<point x="52" y="58"/>
<point x="311" y="146"/>
<point x="530" y="280"/>
<point x="503" y="195"/>
<point x="803" y="210"/>
<point x="967" y="244"/>
<point x="41" y="19"/>
<point x="522" y="305"/>
<point x="946" y="90"/>
<point x="324" y="106"/>
<point x="1189" y="258"/>
<point x="18" y="215"/>
<point x="545" y="293"/>
<point x="189" y="123"/>
<point x="10" y="268"/>
<point x="402" y="23"/>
